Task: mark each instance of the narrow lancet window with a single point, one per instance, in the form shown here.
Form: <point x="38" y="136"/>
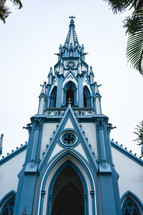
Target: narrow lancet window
<point x="70" y="93"/>
<point x="53" y="98"/>
<point x="86" y="97"/>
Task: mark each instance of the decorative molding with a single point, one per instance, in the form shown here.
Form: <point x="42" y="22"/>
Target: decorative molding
<point x="43" y="193"/>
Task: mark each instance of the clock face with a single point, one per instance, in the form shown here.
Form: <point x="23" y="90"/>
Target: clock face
<point x="70" y="64"/>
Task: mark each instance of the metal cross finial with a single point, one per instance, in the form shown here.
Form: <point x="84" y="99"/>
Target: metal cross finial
<point x="72" y="20"/>
<point x="72" y="17"/>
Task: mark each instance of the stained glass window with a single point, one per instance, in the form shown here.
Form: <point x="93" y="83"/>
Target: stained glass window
<point x="8" y="207"/>
<point x="68" y="138"/>
<point x="130" y="207"/>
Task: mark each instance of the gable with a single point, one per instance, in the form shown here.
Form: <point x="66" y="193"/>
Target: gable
<point x="68" y="135"/>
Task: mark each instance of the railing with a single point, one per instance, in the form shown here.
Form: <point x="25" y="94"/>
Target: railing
<point x="77" y="111"/>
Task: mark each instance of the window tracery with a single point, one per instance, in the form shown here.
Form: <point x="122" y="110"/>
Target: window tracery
<point x="9" y="207"/>
<point x="130" y="207"/>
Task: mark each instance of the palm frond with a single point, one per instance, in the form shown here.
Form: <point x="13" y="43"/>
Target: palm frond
<point x="139" y="133"/>
<point x="17" y="3"/>
<point x="4" y="13"/>
<point x="134" y="50"/>
<point x="120" y="5"/>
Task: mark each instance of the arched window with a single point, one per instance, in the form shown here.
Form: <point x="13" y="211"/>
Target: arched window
<point x="53" y="97"/>
<point x="70" y="92"/>
<point x="130" y="207"/>
<point x="8" y="207"/>
<point x="86" y="97"/>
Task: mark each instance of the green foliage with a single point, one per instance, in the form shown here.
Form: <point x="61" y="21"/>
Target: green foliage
<point x="134" y="28"/>
<point x="119" y="5"/>
<point x="134" y="52"/>
<point x="4" y="11"/>
<point x="139" y="133"/>
<point x="17" y="3"/>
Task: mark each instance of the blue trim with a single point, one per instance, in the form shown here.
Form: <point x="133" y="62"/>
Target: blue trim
<point x="12" y="192"/>
<point x="69" y="114"/>
<point x="127" y="153"/>
<point x="55" y="162"/>
<point x="13" y="154"/>
<point x="132" y="196"/>
<point x="70" y="71"/>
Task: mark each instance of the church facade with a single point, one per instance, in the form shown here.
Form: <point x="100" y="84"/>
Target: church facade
<point x="69" y="165"/>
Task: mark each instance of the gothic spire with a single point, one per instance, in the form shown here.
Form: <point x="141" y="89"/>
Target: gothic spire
<point x="71" y="47"/>
<point x="71" y="39"/>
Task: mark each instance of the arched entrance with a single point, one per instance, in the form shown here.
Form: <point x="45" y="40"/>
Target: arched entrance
<point x="68" y="193"/>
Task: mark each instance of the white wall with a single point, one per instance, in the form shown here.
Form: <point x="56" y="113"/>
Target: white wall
<point x="90" y="132"/>
<point x="8" y="174"/>
<point x="48" y="129"/>
<point x="130" y="174"/>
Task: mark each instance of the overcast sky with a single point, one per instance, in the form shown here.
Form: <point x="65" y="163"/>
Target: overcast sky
<point x="29" y="40"/>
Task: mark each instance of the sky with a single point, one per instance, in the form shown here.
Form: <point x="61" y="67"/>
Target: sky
<point x="29" y="40"/>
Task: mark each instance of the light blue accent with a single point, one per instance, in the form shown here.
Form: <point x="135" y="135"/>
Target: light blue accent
<point x="80" y="90"/>
<point x="35" y="144"/>
<point x="107" y="195"/>
<point x="59" y="91"/>
<point x="102" y="144"/>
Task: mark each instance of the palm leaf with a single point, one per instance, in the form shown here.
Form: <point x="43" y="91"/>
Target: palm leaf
<point x="4" y="13"/>
<point x="17" y="3"/>
<point x="120" y="5"/>
<point x="134" y="50"/>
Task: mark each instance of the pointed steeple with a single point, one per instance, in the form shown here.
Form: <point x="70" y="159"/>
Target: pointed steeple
<point x="71" y="47"/>
<point x="71" y="39"/>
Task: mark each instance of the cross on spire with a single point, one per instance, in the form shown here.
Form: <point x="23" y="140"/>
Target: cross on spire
<point x="72" y="19"/>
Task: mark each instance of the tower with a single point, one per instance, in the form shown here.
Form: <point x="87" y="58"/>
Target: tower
<point x="68" y="166"/>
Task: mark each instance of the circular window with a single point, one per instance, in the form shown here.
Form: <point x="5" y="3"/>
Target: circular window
<point x="68" y="138"/>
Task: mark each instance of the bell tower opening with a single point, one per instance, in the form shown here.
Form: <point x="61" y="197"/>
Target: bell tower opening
<point x="53" y="98"/>
<point x="86" y="97"/>
<point x="68" y="193"/>
<point x="70" y="93"/>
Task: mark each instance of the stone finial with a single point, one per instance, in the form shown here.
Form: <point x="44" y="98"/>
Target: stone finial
<point x="69" y="101"/>
<point x="1" y="141"/>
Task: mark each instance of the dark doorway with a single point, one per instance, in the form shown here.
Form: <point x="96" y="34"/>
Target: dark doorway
<point x="68" y="194"/>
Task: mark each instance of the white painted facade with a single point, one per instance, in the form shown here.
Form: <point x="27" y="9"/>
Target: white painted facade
<point x="9" y="171"/>
<point x="130" y="174"/>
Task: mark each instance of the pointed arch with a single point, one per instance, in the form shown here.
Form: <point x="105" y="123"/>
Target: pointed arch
<point x="53" y="97"/>
<point x="51" y="174"/>
<point x="86" y="97"/>
<point x="70" y="92"/>
<point x="131" y="204"/>
<point x="68" y="195"/>
<point x="7" y="203"/>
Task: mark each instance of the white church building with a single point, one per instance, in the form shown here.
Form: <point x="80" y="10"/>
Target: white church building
<point x="69" y="165"/>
